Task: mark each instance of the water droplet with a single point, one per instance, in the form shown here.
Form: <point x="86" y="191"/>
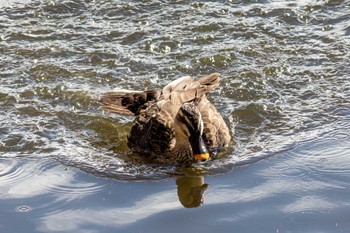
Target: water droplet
<point x="23" y="209"/>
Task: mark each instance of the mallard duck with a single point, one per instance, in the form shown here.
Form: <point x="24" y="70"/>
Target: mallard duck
<point x="175" y="125"/>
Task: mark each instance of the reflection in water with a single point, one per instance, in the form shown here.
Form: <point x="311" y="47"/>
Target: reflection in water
<point x="191" y="187"/>
<point x="190" y="190"/>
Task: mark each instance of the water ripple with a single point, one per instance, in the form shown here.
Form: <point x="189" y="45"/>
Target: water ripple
<point x="324" y="159"/>
<point x="284" y="67"/>
<point x="10" y="172"/>
<point x="23" y="178"/>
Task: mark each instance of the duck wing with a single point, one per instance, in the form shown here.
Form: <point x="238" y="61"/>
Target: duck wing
<point x="186" y="89"/>
<point x="128" y="102"/>
<point x="215" y="133"/>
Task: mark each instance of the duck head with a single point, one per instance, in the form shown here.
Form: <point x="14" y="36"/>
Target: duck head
<point x="189" y="126"/>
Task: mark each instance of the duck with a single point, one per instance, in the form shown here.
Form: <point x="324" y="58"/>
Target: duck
<point x="177" y="124"/>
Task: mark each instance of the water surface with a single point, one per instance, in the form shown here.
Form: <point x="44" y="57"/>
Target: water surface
<point x="285" y="94"/>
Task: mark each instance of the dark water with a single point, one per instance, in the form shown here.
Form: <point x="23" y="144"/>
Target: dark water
<point x="285" y="93"/>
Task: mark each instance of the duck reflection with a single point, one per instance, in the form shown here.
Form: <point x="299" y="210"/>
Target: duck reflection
<point x="190" y="189"/>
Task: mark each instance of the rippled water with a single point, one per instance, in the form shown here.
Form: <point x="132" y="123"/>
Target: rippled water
<point x="284" y="68"/>
<point x="285" y="93"/>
